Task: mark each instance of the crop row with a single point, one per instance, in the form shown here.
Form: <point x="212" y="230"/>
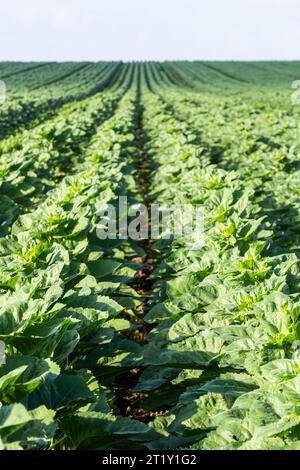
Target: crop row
<point x="223" y="358"/>
<point x="64" y="295"/>
<point x="24" y="108"/>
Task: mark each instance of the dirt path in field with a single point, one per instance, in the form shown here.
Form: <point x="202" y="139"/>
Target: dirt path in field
<point x="143" y="284"/>
<point x="130" y="404"/>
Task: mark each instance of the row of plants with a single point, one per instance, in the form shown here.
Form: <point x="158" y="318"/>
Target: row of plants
<point x="34" y="161"/>
<point x="35" y="96"/>
<point x="65" y="300"/>
<point x="222" y="360"/>
<point x="258" y="141"/>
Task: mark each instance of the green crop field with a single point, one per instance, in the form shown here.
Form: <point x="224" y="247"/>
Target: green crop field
<point x="149" y="343"/>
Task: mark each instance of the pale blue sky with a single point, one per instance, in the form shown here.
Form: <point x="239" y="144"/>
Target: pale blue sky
<point x="152" y="29"/>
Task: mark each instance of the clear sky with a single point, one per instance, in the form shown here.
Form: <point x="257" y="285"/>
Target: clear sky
<point x="149" y="29"/>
